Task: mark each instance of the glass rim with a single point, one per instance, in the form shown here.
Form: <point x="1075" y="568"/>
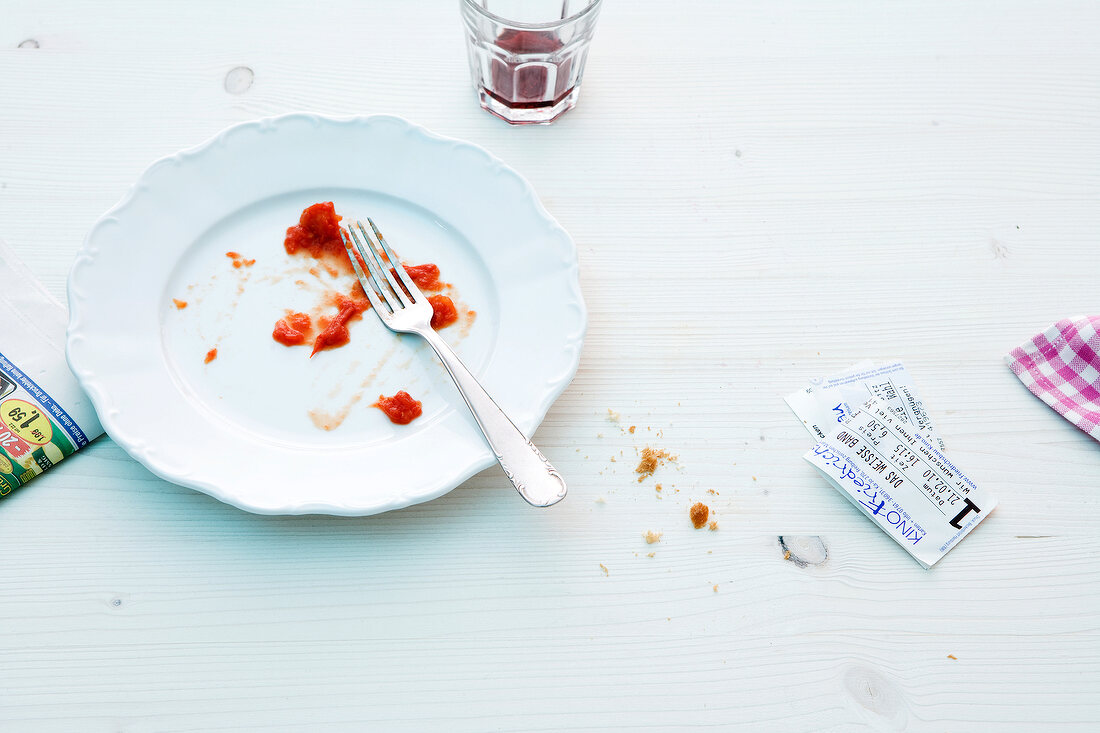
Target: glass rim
<point x="484" y="12"/>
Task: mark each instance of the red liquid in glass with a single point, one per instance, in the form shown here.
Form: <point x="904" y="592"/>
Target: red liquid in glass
<point x="524" y="82"/>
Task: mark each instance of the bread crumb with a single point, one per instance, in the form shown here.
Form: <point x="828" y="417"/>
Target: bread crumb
<point x="787" y="555"/>
<point x="652" y="554"/>
<point x="604" y="569"/>
<point x="699" y="513"/>
<point x="651" y="459"/>
<point x="716" y="588"/>
<point x="712" y="526"/>
<point x="180" y="304"/>
<point x="651" y="536"/>
<point x="631" y="429"/>
<point x="612" y="416"/>
<point x="754" y="478"/>
<point x="952" y="656"/>
<point x="658" y="487"/>
<point x="600" y="500"/>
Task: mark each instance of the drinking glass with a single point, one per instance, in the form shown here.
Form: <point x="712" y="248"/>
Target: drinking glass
<point x="527" y="56"/>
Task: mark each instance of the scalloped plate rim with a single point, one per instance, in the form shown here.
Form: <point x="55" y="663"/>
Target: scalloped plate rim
<point x="137" y="447"/>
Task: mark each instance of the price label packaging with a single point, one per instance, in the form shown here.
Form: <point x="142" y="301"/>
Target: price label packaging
<point x="44" y="415"/>
<point x="900" y="479"/>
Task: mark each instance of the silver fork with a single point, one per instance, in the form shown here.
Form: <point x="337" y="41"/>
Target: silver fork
<point x="406" y="310"/>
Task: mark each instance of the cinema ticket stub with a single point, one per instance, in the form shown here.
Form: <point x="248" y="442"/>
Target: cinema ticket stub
<point x="827" y="401"/>
<point x="901" y="481"/>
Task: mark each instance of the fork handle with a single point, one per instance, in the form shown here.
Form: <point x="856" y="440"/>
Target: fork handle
<point x="526" y="467"/>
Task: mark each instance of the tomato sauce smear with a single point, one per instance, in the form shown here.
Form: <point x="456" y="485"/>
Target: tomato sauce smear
<point x="426" y="276"/>
<point x="444" y="312"/>
<point x="318" y="235"/>
<point x="334" y="330"/>
<point x="317" y="232"/>
<point x="294" y="330"/>
<point x="401" y="409"/>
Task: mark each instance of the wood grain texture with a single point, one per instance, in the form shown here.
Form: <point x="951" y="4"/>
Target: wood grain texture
<point x="760" y="193"/>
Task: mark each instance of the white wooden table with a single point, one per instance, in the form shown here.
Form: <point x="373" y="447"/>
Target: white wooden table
<point x="760" y="193"/>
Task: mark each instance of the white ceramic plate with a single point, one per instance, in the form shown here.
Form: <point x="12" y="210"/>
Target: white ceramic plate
<point x="244" y="428"/>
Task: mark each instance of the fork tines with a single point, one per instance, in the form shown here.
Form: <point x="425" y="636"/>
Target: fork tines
<point x="381" y="286"/>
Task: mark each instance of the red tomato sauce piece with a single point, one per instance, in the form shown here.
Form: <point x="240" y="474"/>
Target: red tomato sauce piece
<point x="401" y="409"/>
<point x="334" y="330"/>
<point x="210" y="356"/>
<point x="425" y="276"/>
<point x="317" y="232"/>
<point x="294" y="330"/>
<point x="444" y="312"/>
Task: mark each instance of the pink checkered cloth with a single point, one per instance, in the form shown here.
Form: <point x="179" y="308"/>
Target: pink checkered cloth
<point x="1061" y="366"/>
